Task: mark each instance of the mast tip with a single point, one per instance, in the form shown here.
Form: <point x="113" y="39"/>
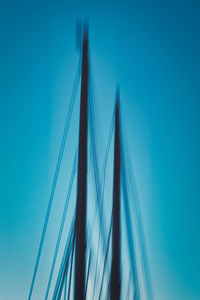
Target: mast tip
<point x="117" y="95"/>
<point x="86" y="27"/>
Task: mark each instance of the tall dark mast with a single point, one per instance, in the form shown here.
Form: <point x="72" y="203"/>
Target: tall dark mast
<point x="81" y="204"/>
<point x="115" y="284"/>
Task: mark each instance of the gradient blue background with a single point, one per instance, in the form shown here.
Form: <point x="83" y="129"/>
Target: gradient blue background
<point x="151" y="48"/>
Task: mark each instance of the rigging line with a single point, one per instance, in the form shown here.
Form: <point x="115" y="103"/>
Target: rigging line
<point x="62" y="224"/>
<point x="93" y="143"/>
<point x="88" y="271"/>
<point x="58" y="289"/>
<point x="97" y="248"/>
<point x="61" y="151"/>
<point x="65" y="288"/>
<point x="94" y="96"/>
<point x="129" y="232"/>
<point x="101" y="193"/>
<point x="63" y="277"/>
<point x="129" y="286"/>
<point x="70" y="275"/>
<point x="95" y="278"/>
<point x="62" y="267"/>
<point x="139" y="228"/>
<point x="90" y="230"/>
<point x="105" y="163"/>
<point x="106" y="256"/>
<point x="58" y="296"/>
<point x="91" y="104"/>
<point x="99" y="183"/>
<point x="92" y="83"/>
<point x="108" y="145"/>
<point x="142" y="246"/>
<point x="66" y="254"/>
<point x="94" y="156"/>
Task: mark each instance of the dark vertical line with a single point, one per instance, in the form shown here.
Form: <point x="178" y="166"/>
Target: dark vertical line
<point x="115" y="284"/>
<point x="81" y="204"/>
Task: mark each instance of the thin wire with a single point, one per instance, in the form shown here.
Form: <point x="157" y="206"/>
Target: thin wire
<point x="58" y="290"/>
<point x="88" y="272"/>
<point x="67" y="123"/>
<point x="65" y="290"/>
<point x="65" y="259"/>
<point x="62" y="224"/>
<point x="106" y="256"/>
<point x="99" y="194"/>
<point x="139" y="227"/>
<point x="70" y="275"/>
<point x="129" y="286"/>
<point x="63" y="277"/>
<point x="99" y="184"/>
<point x="94" y="155"/>
<point x="95" y="166"/>
<point x="131" y="246"/>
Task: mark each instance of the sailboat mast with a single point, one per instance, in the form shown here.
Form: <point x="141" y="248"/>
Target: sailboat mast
<point x="81" y="204"/>
<point x="115" y="284"/>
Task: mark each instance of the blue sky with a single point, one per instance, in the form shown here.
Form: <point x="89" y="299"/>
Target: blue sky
<point x="151" y="48"/>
